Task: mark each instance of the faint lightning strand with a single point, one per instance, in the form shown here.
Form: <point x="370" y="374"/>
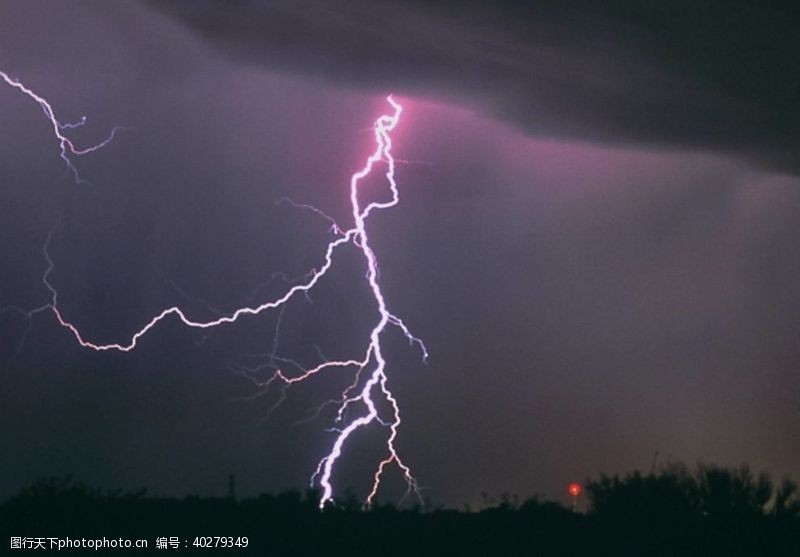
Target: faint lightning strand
<point x="334" y="228"/>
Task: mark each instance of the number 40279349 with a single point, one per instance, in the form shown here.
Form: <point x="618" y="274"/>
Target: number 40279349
<point x="220" y="541"/>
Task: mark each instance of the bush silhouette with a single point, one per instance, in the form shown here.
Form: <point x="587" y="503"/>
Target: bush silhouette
<point x="708" y="511"/>
<point x="711" y="491"/>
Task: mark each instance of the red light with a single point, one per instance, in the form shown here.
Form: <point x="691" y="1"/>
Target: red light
<point x="574" y="489"/>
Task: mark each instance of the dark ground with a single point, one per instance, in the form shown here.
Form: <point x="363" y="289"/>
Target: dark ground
<point x="672" y="511"/>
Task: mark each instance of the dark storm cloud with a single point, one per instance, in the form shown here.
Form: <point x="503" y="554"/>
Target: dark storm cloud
<point x="712" y="76"/>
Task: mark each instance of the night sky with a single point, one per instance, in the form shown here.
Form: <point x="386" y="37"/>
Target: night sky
<point x="598" y="238"/>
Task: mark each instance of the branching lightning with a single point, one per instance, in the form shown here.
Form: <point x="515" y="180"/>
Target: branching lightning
<point x="66" y="146"/>
<point x="370" y="383"/>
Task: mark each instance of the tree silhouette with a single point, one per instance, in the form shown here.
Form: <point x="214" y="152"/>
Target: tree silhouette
<point x="671" y="511"/>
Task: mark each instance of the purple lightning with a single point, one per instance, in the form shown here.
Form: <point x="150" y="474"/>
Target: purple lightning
<point x="65" y="144"/>
<point x="376" y="385"/>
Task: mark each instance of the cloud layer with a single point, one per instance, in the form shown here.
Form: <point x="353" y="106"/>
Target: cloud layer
<point x="709" y="76"/>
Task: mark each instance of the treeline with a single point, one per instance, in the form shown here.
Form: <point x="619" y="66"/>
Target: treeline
<point x="671" y="511"/>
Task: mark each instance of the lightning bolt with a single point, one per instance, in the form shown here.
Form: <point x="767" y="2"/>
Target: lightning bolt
<point x="371" y="366"/>
<point x="66" y="146"/>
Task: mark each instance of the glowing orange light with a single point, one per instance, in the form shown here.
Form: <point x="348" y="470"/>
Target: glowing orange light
<point x="574" y="489"/>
